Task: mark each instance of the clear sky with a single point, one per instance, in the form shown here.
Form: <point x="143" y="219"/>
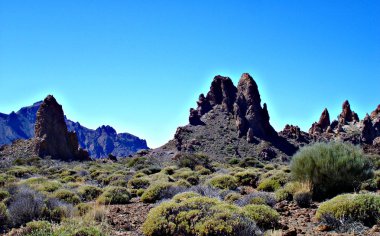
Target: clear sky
<point x="140" y="65"/>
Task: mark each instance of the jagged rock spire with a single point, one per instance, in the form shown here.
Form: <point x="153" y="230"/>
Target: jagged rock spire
<point x="248" y="111"/>
<point x="323" y="123"/>
<point x="347" y="114"/>
<point x="243" y="101"/>
<point x="52" y="135"/>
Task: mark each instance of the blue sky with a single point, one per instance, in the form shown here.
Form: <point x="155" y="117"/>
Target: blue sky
<point x="140" y="65"/>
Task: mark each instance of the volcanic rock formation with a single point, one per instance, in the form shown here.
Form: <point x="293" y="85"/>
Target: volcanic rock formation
<point x="51" y="132"/>
<point x="347" y="114"/>
<point x="323" y="123"/>
<point x="243" y="102"/>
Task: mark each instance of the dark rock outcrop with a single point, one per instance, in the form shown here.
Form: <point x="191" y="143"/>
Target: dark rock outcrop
<point x="99" y="143"/>
<point x="323" y="123"/>
<point x="222" y="91"/>
<point x="194" y="118"/>
<point x="51" y="132"/>
<point x="244" y="102"/>
<point x="347" y="114"/>
<point x="367" y="132"/>
<point x="248" y="111"/>
<point x="375" y="114"/>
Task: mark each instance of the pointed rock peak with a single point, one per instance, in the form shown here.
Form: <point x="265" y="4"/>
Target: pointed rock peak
<point x="376" y="112"/>
<point x="247" y="87"/>
<point x="51" y="132"/>
<point x="324" y="120"/>
<point x="347" y="114"/>
<point x="222" y="91"/>
<point x="323" y="124"/>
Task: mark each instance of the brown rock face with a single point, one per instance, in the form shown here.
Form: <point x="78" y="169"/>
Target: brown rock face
<point x="375" y="113"/>
<point x="51" y="132"/>
<point x="347" y="114"/>
<point x="248" y="111"/>
<point x="222" y="91"/>
<point x="368" y="132"/>
<point x="194" y="118"/>
<point x="323" y="123"/>
<point x="243" y="102"/>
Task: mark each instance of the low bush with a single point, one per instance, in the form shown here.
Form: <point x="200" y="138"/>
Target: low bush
<point x="89" y="192"/>
<point x="114" y="195"/>
<point x="192" y="160"/>
<point x="83" y="208"/>
<point x="269" y="185"/>
<point x="3" y="216"/>
<point x="39" y="228"/>
<point x="24" y="206"/>
<point x="66" y="196"/>
<point x="331" y="168"/>
<point x="257" y="198"/>
<point x="247" y="178"/>
<point x="303" y="198"/>
<point x="363" y="208"/>
<point x="160" y="191"/>
<point x="199" y="216"/>
<point x="223" y="182"/>
<point x="250" y="162"/>
<point x="4" y="194"/>
<point x="264" y="216"/>
<point x="137" y="183"/>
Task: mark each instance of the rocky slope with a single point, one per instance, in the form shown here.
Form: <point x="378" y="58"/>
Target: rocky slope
<point x="100" y="142"/>
<point x="231" y="122"/>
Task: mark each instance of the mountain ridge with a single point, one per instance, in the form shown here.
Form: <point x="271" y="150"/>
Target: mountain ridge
<point x="98" y="142"/>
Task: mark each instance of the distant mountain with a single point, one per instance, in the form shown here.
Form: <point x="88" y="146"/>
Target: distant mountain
<point x="99" y="143"/>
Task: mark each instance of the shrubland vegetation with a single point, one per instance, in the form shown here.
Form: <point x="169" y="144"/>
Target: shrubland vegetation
<point x="193" y="195"/>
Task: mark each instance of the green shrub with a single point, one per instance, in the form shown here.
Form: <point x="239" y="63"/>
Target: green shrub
<point x="83" y="208"/>
<point x="3" y="195"/>
<point x="184" y="196"/>
<point x="6" y="179"/>
<point x="39" y="228"/>
<point x="269" y="185"/>
<point x="331" y="168"/>
<point x="114" y="195"/>
<point x="3" y="215"/>
<point x="49" y="186"/>
<point x="67" y="196"/>
<point x="89" y="192"/>
<point x="303" y="198"/>
<point x="247" y="178"/>
<point x="232" y="197"/>
<point x="224" y="182"/>
<point x="263" y="215"/>
<point x="197" y="216"/>
<point x="364" y="208"/>
<point x="234" y="161"/>
<point x="169" y="170"/>
<point x="192" y="160"/>
<point x="22" y="171"/>
<point x="156" y="192"/>
<point x="140" y="192"/>
<point x="250" y="162"/>
<point x="137" y="183"/>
